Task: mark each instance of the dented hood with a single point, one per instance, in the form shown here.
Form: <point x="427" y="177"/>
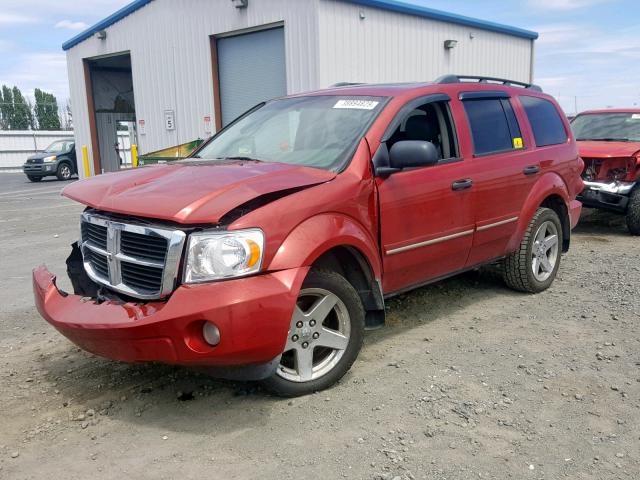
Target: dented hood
<point x="600" y="149"/>
<point x="190" y="192"/>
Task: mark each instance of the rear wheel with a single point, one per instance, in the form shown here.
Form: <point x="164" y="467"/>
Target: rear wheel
<point x="64" y="171"/>
<point x="325" y="336"/>
<point x="633" y="212"/>
<point x="533" y="267"/>
<point x="34" y="179"/>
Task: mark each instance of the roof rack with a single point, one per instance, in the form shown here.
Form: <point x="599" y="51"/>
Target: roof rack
<point x="445" y="79"/>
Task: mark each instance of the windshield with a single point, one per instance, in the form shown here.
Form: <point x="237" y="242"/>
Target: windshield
<point x="317" y="131"/>
<point x="622" y="127"/>
<point x="59" y="146"/>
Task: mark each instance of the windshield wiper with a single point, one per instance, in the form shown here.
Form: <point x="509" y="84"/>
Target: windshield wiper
<point x="247" y="159"/>
<point x="607" y="139"/>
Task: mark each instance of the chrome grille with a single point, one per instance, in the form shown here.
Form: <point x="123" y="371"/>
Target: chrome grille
<point x="135" y="259"/>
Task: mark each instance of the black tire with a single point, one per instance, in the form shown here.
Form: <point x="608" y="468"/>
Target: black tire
<point x="64" y="171"/>
<point x="339" y="286"/>
<point x="34" y="179"/>
<point x="517" y="269"/>
<point x="633" y="212"/>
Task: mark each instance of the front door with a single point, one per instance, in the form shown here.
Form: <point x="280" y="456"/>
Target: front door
<point x="426" y="215"/>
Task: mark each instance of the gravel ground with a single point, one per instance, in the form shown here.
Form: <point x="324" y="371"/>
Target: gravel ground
<point x="468" y="380"/>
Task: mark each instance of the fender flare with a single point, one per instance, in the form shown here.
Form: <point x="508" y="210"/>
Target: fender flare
<point x="547" y="185"/>
<point x="320" y="233"/>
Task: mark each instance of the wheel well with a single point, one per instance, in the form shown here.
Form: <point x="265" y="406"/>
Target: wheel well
<point x="353" y="265"/>
<point x="556" y="203"/>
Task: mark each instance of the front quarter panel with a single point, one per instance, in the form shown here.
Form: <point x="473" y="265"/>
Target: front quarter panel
<point x="319" y="234"/>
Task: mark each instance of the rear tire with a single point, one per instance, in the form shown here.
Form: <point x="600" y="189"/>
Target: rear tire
<point x="324" y="338"/>
<point x="64" y="171"/>
<point x="533" y="267"/>
<point x="633" y="212"/>
<point x="34" y="179"/>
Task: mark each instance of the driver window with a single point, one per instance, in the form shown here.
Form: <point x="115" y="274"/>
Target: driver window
<point x="430" y="122"/>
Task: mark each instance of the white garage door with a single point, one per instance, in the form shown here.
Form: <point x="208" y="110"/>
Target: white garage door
<point x="251" y="68"/>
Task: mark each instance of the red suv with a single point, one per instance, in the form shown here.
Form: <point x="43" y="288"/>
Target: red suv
<point x="269" y="252"/>
<point x="609" y="144"/>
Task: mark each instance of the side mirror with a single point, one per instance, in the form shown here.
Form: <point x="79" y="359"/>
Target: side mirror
<point x="413" y="153"/>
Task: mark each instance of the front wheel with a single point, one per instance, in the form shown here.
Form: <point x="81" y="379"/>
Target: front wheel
<point x="324" y="338"/>
<point x="64" y="171"/>
<point x="633" y="212"/>
<point x="533" y="267"/>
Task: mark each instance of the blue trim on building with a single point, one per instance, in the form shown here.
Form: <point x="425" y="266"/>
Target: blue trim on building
<point x="107" y="22"/>
<point x="391" y="5"/>
<point x="420" y="11"/>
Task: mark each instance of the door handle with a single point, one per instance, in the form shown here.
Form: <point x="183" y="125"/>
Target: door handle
<point x="531" y="170"/>
<point x="462" y="184"/>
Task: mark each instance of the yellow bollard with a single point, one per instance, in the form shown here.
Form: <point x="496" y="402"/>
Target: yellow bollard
<point x="134" y="155"/>
<point x="85" y="159"/>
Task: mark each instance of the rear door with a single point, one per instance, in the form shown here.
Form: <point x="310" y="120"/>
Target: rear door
<point x="504" y="169"/>
<point x="426" y="215"/>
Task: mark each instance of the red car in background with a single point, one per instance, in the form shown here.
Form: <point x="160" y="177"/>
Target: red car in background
<point x="268" y="252"/>
<point x="609" y="144"/>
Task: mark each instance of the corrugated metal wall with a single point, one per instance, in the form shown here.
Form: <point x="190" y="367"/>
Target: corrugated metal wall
<point x="389" y="47"/>
<point x="171" y="60"/>
<point x="17" y="145"/>
<point x="326" y="41"/>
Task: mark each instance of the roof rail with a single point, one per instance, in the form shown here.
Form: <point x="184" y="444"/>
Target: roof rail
<point x="445" y="79"/>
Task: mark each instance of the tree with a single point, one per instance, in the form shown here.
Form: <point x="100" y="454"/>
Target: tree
<point x="22" y="118"/>
<point x="6" y="108"/>
<point x="46" y="110"/>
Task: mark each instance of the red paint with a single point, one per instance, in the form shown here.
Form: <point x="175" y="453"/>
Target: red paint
<point x="351" y="208"/>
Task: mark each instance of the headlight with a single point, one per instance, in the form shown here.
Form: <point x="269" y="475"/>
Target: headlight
<point x="50" y="159"/>
<point x="218" y="255"/>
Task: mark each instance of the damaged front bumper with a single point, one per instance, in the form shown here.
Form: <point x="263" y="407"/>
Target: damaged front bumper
<point x="607" y="195"/>
<point x="252" y="315"/>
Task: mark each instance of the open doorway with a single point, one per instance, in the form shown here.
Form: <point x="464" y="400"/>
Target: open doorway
<point x="112" y="115"/>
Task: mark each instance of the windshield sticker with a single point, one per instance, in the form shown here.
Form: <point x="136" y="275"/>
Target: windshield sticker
<point x="356" y="104"/>
<point x="635" y="116"/>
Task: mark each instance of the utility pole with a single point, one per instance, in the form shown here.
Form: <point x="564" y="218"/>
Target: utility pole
<point x="575" y="104"/>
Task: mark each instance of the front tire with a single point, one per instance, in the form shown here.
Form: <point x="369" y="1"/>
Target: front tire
<point x="633" y="212"/>
<point x="533" y="267"/>
<point x="324" y="338"/>
<point x="64" y="171"/>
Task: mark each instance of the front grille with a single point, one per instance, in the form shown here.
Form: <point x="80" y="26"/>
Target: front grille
<point x="143" y="246"/>
<point x="135" y="259"/>
<point x="94" y="234"/>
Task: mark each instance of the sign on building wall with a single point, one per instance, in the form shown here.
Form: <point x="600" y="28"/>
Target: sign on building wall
<point x="169" y="120"/>
<point x="207" y="125"/>
<point x="142" y="128"/>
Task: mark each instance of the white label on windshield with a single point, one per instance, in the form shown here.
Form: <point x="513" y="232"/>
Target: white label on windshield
<point x="635" y="116"/>
<point x="356" y="104"/>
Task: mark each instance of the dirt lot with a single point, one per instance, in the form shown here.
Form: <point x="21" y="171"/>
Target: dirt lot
<point x="469" y="380"/>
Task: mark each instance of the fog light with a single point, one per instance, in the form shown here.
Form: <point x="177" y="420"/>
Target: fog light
<point x="211" y="333"/>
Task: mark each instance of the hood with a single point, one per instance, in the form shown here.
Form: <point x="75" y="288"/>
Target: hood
<point x="592" y="149"/>
<point x="191" y="192"/>
<point x="39" y="156"/>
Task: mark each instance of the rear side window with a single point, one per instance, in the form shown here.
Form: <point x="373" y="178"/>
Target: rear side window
<point x="494" y="126"/>
<point x="547" y="126"/>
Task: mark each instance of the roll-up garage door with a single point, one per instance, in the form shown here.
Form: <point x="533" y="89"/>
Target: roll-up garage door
<point x="251" y="69"/>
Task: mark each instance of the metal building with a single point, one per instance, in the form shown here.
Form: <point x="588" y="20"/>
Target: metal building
<point x="171" y="71"/>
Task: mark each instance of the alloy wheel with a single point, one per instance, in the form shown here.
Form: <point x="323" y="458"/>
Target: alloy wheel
<point x="65" y="172"/>
<point x="544" y="253"/>
<point x="318" y="336"/>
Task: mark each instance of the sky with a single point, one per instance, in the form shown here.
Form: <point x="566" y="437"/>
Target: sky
<point x="588" y="53"/>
